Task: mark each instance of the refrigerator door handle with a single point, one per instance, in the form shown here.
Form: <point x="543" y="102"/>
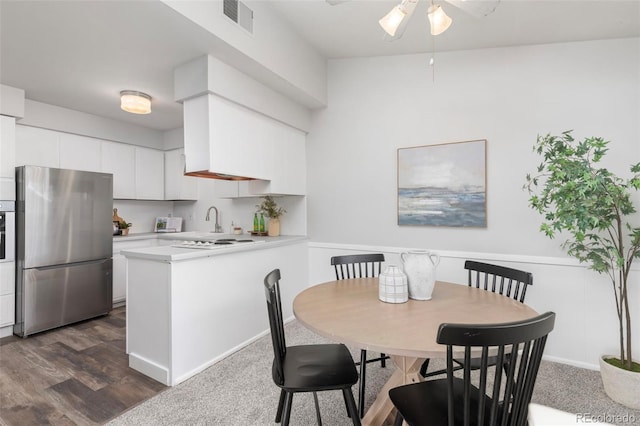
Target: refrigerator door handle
<point x="87" y="262"/>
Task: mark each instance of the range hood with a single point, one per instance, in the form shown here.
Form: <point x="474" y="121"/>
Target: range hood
<point x="212" y="175"/>
<point x="236" y="128"/>
<point x="224" y="140"/>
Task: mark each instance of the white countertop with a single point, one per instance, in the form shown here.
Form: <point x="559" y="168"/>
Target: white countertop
<point x="169" y="253"/>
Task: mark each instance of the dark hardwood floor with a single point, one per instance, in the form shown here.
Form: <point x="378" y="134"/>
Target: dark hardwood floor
<point x="75" y="375"/>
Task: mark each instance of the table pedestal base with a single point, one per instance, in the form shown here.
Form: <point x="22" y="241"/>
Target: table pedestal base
<point x="382" y="412"/>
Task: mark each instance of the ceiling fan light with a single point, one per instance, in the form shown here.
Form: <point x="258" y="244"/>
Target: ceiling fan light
<point x="392" y="20"/>
<point x="439" y="20"/>
<point x="135" y="102"/>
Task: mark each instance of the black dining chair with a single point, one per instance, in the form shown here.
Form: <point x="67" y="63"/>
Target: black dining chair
<point x="360" y="266"/>
<point x="455" y="400"/>
<point x="508" y="282"/>
<point x="306" y="368"/>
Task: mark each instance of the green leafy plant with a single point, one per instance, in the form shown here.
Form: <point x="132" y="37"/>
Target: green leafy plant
<point x="270" y="208"/>
<point x="591" y="205"/>
<point x="125" y="225"/>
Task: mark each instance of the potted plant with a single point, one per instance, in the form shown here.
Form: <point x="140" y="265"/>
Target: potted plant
<point x="124" y="227"/>
<point x="271" y="209"/>
<point x="592" y="205"/>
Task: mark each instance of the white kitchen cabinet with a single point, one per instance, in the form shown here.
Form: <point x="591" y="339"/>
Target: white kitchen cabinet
<point x="288" y="159"/>
<point x="120" y="160"/>
<point x="149" y="172"/>
<point x="7" y="157"/>
<point x="37" y="147"/>
<point x="177" y="186"/>
<point x="119" y="279"/>
<point x="234" y="189"/>
<point x="7" y="294"/>
<point x="80" y="152"/>
<point x="120" y="266"/>
<point x="7" y="146"/>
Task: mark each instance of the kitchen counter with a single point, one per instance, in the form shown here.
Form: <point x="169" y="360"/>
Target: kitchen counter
<point x="134" y="237"/>
<point x="190" y="308"/>
<point x="169" y="253"/>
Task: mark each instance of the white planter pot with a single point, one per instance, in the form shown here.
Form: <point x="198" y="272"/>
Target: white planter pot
<point x="620" y="385"/>
<point x="273" y="227"/>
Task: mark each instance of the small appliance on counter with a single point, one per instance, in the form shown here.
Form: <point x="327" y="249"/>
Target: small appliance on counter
<point x="168" y="224"/>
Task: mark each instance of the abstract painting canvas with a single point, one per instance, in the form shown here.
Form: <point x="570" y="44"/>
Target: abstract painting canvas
<point x="443" y="185"/>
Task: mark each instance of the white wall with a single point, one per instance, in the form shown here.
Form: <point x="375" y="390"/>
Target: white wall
<point x="507" y="96"/>
<point x="274" y="54"/>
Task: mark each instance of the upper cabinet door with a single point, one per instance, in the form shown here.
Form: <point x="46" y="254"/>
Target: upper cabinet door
<point x="177" y="186"/>
<point x="37" y="147"/>
<point x="80" y="153"/>
<point x="7" y="146"/>
<point x="149" y="167"/>
<point x="120" y="160"/>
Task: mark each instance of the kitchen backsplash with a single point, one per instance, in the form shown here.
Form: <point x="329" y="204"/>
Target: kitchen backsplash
<point x="142" y="214"/>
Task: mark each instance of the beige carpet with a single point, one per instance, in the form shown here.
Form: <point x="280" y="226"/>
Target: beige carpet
<point x="239" y="391"/>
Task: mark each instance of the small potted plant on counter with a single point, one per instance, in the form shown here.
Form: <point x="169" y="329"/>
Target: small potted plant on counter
<point x="124" y="227"/>
<point x="271" y="209"/>
<point x="591" y="206"/>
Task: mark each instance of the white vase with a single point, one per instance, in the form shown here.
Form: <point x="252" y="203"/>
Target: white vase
<point x="420" y="267"/>
<point x="392" y="285"/>
<point x="621" y="385"/>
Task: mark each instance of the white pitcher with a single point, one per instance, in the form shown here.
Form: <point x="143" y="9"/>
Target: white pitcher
<point x="420" y="267"/>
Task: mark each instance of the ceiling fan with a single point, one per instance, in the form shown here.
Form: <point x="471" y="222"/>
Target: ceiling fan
<point x="395" y="22"/>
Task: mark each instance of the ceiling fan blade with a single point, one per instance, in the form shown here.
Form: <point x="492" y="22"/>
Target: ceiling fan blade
<point x="335" y="2"/>
<point x="476" y="8"/>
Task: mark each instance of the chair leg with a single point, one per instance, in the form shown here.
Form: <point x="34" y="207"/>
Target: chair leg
<point x="361" y="385"/>
<point x="351" y="406"/>
<point x="346" y="405"/>
<point x="398" y="420"/>
<point x="315" y="401"/>
<point x="280" y="405"/>
<point x="383" y="361"/>
<point x="424" y="367"/>
<point x="287" y="408"/>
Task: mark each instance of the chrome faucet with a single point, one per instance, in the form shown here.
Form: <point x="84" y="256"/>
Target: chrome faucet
<point x="217" y="227"/>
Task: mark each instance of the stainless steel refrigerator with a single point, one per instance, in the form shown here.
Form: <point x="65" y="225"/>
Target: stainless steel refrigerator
<point x="64" y="240"/>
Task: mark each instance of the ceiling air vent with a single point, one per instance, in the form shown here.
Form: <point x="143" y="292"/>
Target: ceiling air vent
<point x="239" y="13"/>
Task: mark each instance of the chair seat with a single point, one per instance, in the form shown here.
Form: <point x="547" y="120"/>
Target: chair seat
<point x="425" y="403"/>
<point x="316" y="368"/>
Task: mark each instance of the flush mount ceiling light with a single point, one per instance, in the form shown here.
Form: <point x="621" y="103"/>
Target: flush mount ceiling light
<point x="135" y="102"/>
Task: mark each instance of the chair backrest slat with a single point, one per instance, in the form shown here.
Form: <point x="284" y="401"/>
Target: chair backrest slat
<point x="520" y="344"/>
<point x="506" y="281"/>
<point x="357" y="265"/>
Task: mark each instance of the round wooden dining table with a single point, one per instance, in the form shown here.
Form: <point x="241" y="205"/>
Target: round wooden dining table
<point x="349" y="311"/>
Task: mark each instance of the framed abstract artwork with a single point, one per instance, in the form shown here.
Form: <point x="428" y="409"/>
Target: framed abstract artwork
<point x="443" y="185"/>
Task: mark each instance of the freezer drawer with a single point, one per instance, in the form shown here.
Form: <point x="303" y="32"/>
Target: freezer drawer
<point x="54" y="296"/>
